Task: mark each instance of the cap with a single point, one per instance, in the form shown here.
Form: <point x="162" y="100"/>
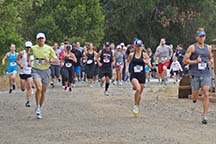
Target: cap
<point x="201" y="33"/>
<point x="138" y="43"/>
<point x="122" y="44"/>
<point x="107" y="44"/>
<point x="28" y="44"/>
<point x="40" y="35"/>
<point x="118" y="46"/>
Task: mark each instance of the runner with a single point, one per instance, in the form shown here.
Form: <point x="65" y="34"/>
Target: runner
<point x="175" y="69"/>
<point x="199" y="58"/>
<point x="137" y="60"/>
<point x="105" y="59"/>
<point x="90" y="55"/>
<point x="55" y="67"/>
<point x="43" y="56"/>
<point x="12" y="66"/>
<point x="119" y="63"/>
<point x="25" y="73"/>
<point x="68" y="68"/>
<point x="164" y="52"/>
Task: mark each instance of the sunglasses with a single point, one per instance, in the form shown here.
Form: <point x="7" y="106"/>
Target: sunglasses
<point x="202" y="36"/>
<point x="28" y="47"/>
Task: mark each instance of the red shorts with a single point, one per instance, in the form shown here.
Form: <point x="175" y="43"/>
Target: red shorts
<point x="161" y="65"/>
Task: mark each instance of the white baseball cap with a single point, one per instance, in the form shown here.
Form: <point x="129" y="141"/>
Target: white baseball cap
<point x="40" y="35"/>
<point x="28" y="44"/>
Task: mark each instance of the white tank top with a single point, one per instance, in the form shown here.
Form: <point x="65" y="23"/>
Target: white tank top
<point x="26" y="69"/>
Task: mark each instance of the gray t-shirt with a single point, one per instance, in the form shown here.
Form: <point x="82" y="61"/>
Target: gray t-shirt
<point x="119" y="57"/>
<point x="165" y="52"/>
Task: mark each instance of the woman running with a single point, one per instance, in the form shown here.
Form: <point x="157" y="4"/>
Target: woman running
<point x="12" y="66"/>
<point x="68" y="67"/>
<point x="119" y="63"/>
<point x="25" y="73"/>
<point x="137" y="59"/>
<point x="90" y="56"/>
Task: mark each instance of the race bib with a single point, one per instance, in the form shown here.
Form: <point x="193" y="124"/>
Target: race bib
<point x="202" y="66"/>
<point x="138" y="68"/>
<point x="40" y="61"/>
<point x="164" y="58"/>
<point x="89" y="61"/>
<point x="118" y="63"/>
<point x="68" y="65"/>
<point x="13" y="64"/>
<point x="106" y="60"/>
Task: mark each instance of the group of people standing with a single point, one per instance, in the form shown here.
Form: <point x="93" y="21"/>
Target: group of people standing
<point x="37" y="63"/>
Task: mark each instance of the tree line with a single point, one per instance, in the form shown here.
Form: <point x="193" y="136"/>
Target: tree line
<point x="105" y="20"/>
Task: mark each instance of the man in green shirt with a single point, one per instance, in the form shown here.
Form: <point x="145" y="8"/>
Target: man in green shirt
<point x="43" y="56"/>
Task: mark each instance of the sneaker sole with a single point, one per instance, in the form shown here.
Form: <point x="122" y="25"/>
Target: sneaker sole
<point x="204" y="122"/>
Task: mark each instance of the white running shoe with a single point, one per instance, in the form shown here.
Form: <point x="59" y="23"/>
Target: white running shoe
<point x="204" y="119"/>
<point x="106" y="93"/>
<point x="135" y="110"/>
<point x="37" y="110"/>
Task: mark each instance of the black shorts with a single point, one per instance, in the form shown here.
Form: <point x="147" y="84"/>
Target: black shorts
<point x="107" y="73"/>
<point x="25" y="76"/>
<point x="140" y="77"/>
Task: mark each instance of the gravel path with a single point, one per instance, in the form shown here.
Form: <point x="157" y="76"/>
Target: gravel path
<point x="85" y="116"/>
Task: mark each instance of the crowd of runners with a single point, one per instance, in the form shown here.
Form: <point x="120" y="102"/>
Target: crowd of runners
<point x="69" y="63"/>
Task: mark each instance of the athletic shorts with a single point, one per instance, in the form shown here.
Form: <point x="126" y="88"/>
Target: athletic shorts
<point x="44" y="75"/>
<point x="77" y="70"/>
<point x="55" y="71"/>
<point x="198" y="82"/>
<point x="107" y="73"/>
<point x="12" y="69"/>
<point x="161" y="65"/>
<point x="25" y="76"/>
<point x="140" y="77"/>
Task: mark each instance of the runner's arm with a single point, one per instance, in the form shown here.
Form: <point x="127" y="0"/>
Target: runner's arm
<point x="18" y="60"/>
<point x="4" y="59"/>
<point x="210" y="62"/>
<point x="188" y="54"/>
<point x="73" y="57"/>
<point x="146" y="60"/>
<point x="128" y="61"/>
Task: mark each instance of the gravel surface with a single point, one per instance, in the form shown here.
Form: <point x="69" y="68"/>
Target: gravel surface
<point x="86" y="116"/>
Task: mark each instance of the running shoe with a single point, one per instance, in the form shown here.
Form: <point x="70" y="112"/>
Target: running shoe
<point x="204" y="119"/>
<point x="10" y="90"/>
<point x="70" y="89"/>
<point x="28" y="104"/>
<point x="52" y="85"/>
<point x="106" y="93"/>
<point x="38" y="112"/>
<point x="114" y="83"/>
<point x="91" y="86"/>
<point x="66" y="89"/>
<point x="135" y="110"/>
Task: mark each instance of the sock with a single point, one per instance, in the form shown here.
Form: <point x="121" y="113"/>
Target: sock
<point x="106" y="86"/>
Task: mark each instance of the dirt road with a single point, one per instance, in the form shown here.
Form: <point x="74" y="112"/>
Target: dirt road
<point x="86" y="116"/>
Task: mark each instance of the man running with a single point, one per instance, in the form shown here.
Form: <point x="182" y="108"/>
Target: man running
<point x="164" y="52"/>
<point x="25" y="72"/>
<point x="43" y="56"/>
<point x="199" y="58"/>
<point x="12" y="66"/>
<point x="105" y="59"/>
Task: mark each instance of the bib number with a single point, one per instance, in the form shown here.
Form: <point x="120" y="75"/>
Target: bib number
<point x="12" y="63"/>
<point x="89" y="61"/>
<point x="138" y="68"/>
<point x="106" y="60"/>
<point x="202" y="66"/>
<point x="68" y="65"/>
<point x="40" y="61"/>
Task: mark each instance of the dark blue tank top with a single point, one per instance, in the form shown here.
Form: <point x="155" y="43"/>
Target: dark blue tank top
<point x="200" y="69"/>
<point x="90" y="59"/>
<point x="137" y="65"/>
<point x="68" y="63"/>
<point x="106" y="59"/>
